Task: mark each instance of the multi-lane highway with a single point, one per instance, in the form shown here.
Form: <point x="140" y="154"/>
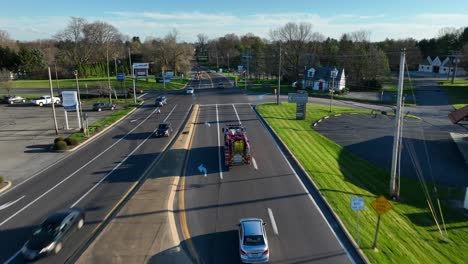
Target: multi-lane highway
<point x="98" y="175"/>
<point x="94" y="178"/>
<point x="268" y="189"/>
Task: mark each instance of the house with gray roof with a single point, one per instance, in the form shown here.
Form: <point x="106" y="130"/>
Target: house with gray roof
<point x="441" y="65"/>
<point x="320" y="79"/>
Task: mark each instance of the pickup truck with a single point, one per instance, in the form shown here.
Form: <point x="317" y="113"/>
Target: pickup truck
<point x="45" y="100"/>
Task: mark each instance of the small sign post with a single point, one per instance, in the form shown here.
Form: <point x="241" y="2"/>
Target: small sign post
<point x="381" y="205"/>
<point x="357" y="204"/>
<point x="301" y="98"/>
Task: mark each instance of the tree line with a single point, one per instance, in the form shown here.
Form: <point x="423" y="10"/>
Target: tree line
<point x="88" y="46"/>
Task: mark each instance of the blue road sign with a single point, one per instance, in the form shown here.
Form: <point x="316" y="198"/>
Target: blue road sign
<point x="121" y="77"/>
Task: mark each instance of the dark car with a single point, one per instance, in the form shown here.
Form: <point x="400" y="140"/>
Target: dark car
<point x="220" y="85"/>
<point x="49" y="237"/>
<point x="137" y="91"/>
<point x="164" y="129"/>
<point x="103" y="106"/>
<point x="13" y="99"/>
<point x="160" y="101"/>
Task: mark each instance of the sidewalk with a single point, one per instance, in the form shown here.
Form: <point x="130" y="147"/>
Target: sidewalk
<point x="144" y="230"/>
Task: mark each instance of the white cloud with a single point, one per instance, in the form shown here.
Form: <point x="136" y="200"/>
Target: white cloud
<point x="189" y="24"/>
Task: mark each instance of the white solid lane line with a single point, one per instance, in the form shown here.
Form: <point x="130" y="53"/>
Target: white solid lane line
<point x="120" y="163"/>
<point x="12" y="257"/>
<point x="141" y="95"/>
<point x="235" y="110"/>
<point x="219" y="146"/>
<point x="75" y="172"/>
<point x="6" y="205"/>
<point x="273" y="222"/>
<point x="254" y="163"/>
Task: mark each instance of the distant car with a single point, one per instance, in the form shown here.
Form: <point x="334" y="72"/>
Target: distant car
<point x="137" y="91"/>
<point x="49" y="237"/>
<point x="13" y="99"/>
<point x="253" y="243"/>
<point x="189" y="90"/>
<point x="160" y="101"/>
<point x="46" y="100"/>
<point x="103" y="106"/>
<point x="220" y="85"/>
<point x="164" y="129"/>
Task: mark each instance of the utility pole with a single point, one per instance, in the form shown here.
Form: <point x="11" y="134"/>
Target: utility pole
<point x="132" y="74"/>
<point x="53" y="103"/>
<point x="108" y="74"/>
<point x="217" y="62"/>
<point x="56" y="78"/>
<point x="394" y="178"/>
<point x="229" y="67"/>
<point x="279" y="78"/>
<point x="456" y="60"/>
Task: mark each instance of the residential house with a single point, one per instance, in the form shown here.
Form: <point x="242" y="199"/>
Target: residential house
<point x="320" y="79"/>
<point x="441" y="65"/>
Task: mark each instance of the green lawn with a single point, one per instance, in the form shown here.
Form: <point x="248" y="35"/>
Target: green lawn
<point x="95" y="82"/>
<point x="407" y="233"/>
<point x="456" y="92"/>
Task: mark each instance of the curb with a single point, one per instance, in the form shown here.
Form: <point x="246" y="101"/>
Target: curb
<point x="323" y="200"/>
<point x="6" y="187"/>
<point x="90" y="139"/>
<point x="97" y="231"/>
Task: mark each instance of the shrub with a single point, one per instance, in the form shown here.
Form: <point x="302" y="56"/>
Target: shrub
<point x="71" y="141"/>
<point x="60" y="145"/>
<point x="59" y="139"/>
<point x="1" y="179"/>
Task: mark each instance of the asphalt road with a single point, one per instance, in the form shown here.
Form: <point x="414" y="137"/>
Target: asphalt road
<point x="94" y="178"/>
<point x="269" y="189"/>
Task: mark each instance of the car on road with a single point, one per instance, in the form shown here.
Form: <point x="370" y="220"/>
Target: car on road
<point x="49" y="237"/>
<point x="164" y="129"/>
<point x="221" y="85"/>
<point x="189" y="90"/>
<point x="103" y="106"/>
<point x="253" y="243"/>
<point x="13" y="99"/>
<point x="46" y="100"/>
<point x="160" y="101"/>
<point x="137" y="91"/>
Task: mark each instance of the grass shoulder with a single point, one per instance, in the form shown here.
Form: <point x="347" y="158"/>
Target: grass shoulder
<point x="456" y="92"/>
<point x="408" y="233"/>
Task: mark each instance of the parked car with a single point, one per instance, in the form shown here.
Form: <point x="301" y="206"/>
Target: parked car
<point x="103" y="106"/>
<point x="13" y="99"/>
<point x="137" y="91"/>
<point x="46" y="100"/>
<point x="164" y="129"/>
<point x="221" y="85"/>
<point x="189" y="90"/>
<point x="253" y="243"/>
<point x="160" y="101"/>
<point x="49" y="237"/>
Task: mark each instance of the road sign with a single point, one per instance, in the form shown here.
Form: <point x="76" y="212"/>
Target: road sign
<point x="381" y="205"/>
<point x="140" y="66"/>
<point x="300" y="98"/>
<point x="121" y="77"/>
<point x="70" y="100"/>
<point x="357" y="203"/>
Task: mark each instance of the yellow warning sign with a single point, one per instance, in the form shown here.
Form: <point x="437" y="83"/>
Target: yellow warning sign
<point x="381" y="205"/>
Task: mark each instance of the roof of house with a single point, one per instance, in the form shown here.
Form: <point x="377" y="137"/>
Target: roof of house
<point x="324" y="73"/>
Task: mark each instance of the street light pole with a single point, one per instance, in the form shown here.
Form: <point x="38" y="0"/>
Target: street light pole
<point x="279" y="77"/>
<point x="108" y="74"/>
<point x="80" y="111"/>
<point x="456" y="60"/>
<point x="53" y="103"/>
<point x="333" y="74"/>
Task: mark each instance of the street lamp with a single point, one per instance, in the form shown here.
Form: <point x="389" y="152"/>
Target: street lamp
<point x="75" y="72"/>
<point x="333" y="75"/>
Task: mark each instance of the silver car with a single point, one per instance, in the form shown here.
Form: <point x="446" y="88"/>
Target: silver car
<point x="253" y="243"/>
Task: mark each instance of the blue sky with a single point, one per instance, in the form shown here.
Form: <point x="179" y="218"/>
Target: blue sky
<point x="28" y="19"/>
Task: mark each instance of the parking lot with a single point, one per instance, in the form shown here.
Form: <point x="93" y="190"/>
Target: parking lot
<point x="371" y="138"/>
<point x="26" y="134"/>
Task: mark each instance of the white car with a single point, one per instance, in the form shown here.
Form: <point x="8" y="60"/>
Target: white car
<point x="253" y="243"/>
<point x="46" y="100"/>
<point x="189" y="90"/>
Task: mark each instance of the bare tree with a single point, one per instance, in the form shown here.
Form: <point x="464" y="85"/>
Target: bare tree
<point x="7" y="41"/>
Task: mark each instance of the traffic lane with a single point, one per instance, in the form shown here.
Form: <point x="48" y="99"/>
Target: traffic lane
<point x="246" y="192"/>
<point x="201" y="190"/>
<point x="81" y="183"/>
<point x="306" y="235"/>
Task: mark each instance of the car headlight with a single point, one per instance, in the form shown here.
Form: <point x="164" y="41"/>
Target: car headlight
<point x="48" y="248"/>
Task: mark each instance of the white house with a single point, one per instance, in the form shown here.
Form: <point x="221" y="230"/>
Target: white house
<point x="320" y="79"/>
<point x="441" y="65"/>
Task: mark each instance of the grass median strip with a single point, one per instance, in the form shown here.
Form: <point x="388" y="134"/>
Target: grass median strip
<point x="408" y="233"/>
<point x="456" y="92"/>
